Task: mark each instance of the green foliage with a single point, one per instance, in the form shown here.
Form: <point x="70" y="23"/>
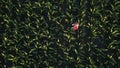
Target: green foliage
<point x="38" y="33"/>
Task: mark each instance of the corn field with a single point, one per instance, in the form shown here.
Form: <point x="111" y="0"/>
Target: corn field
<point x="40" y="34"/>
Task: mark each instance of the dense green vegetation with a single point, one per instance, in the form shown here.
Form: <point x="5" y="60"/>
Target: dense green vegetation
<point x="38" y="34"/>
